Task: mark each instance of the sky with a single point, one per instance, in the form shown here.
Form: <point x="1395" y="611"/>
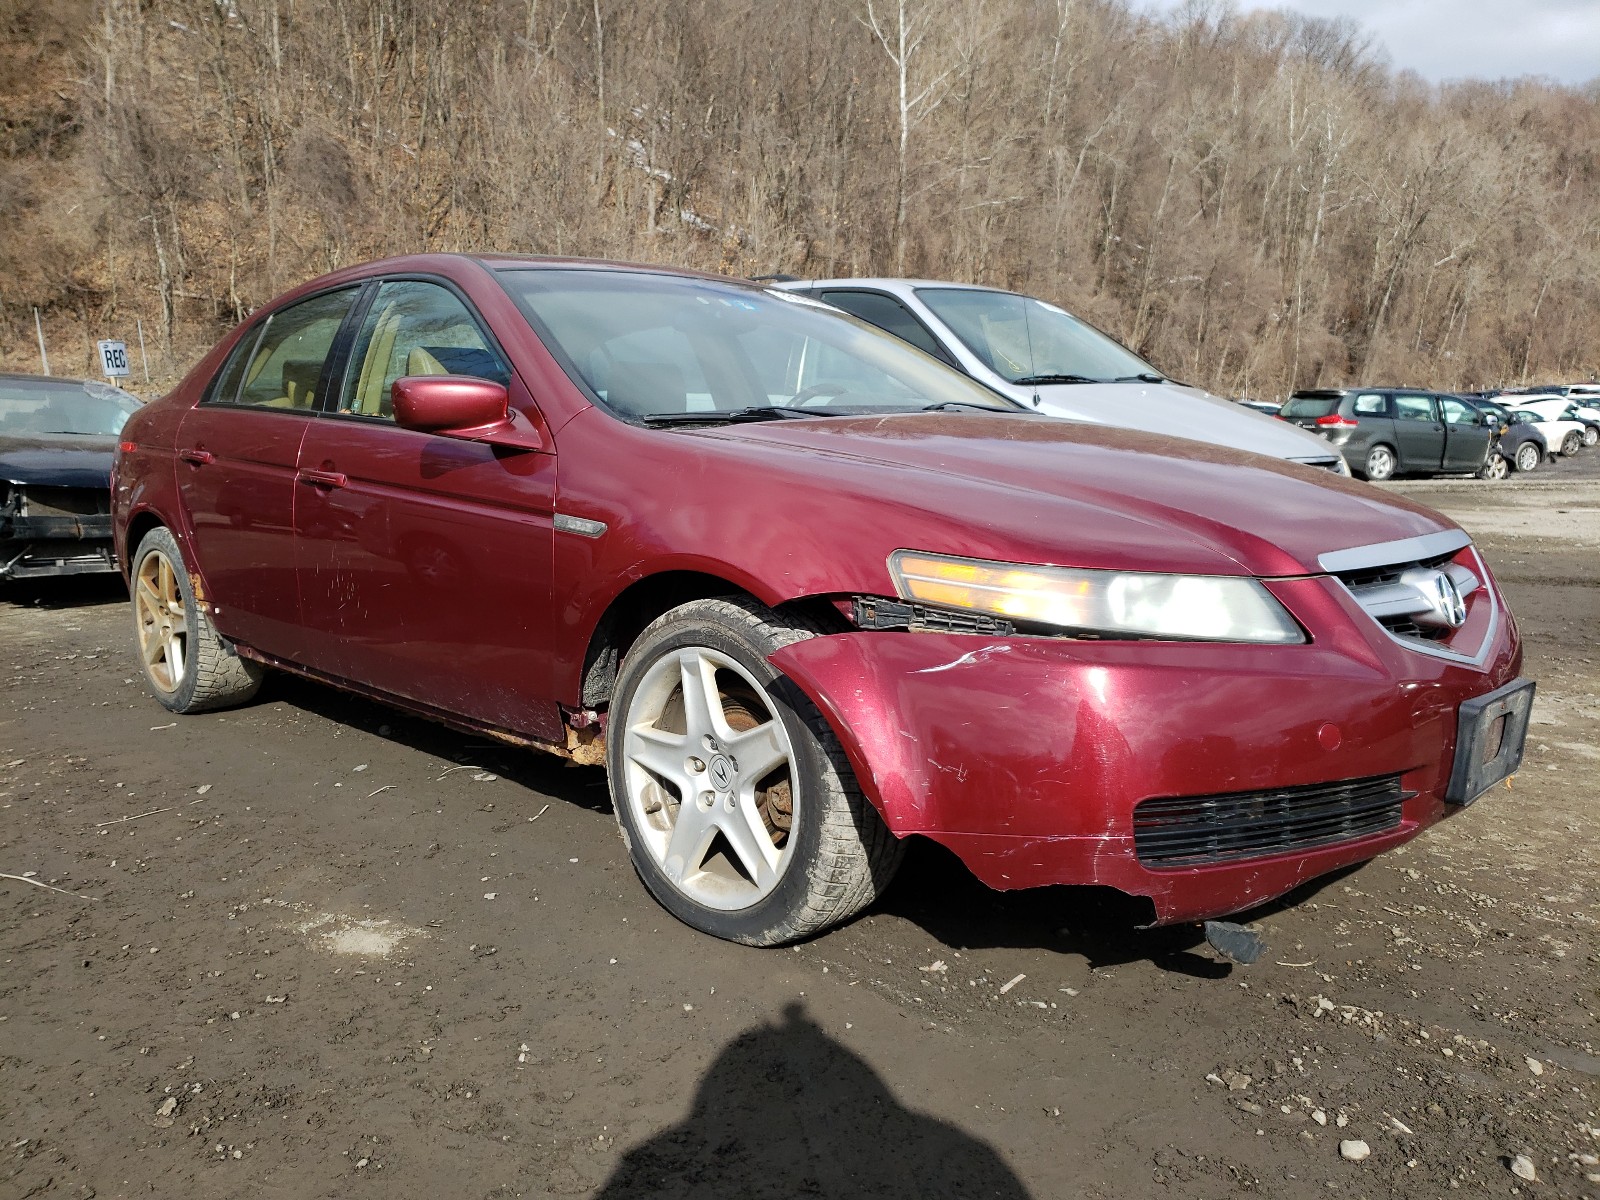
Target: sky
<point x="1479" y="39"/>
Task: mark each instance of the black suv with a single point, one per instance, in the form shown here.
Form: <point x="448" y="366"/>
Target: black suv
<point x="1383" y="431"/>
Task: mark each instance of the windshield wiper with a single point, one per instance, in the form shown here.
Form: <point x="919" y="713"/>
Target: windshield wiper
<point x="1047" y="378"/>
<point x="730" y="416"/>
<point x="963" y="406"/>
<point x="1142" y="377"/>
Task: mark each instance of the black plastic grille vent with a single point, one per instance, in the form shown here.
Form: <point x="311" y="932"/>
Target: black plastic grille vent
<point x="1189" y="830"/>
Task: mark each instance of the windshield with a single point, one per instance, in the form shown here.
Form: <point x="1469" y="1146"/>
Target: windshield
<point x="665" y="348"/>
<point x="35" y="407"/>
<point x="1023" y="339"/>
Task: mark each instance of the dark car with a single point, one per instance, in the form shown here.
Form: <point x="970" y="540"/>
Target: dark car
<point x="1385" y="431"/>
<point x="1519" y="445"/>
<point x="807" y="592"/>
<point x="57" y="438"/>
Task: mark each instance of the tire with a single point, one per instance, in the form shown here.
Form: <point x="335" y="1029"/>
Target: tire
<point x="1571" y="444"/>
<point x="1495" y="467"/>
<point x="834" y="857"/>
<point x="1379" y="465"/>
<point x="186" y="663"/>
<point x="1591" y="435"/>
<point x="1527" y="458"/>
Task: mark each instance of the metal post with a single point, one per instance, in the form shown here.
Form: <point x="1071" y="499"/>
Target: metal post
<point x="39" y="329"/>
<point x="140" y="322"/>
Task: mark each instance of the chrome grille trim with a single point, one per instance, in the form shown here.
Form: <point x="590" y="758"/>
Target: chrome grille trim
<point x="1384" y="554"/>
<point x="1394" y="600"/>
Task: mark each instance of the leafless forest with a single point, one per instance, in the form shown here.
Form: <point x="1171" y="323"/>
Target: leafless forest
<point x="1254" y="202"/>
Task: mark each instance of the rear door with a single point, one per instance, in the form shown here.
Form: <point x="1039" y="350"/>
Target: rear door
<point x="424" y="561"/>
<point x="1418" y="431"/>
<point x="889" y="314"/>
<point x="237" y="451"/>
<point x="1467" y="438"/>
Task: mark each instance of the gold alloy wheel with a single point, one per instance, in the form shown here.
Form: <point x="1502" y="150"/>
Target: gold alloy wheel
<point x="162" y="623"/>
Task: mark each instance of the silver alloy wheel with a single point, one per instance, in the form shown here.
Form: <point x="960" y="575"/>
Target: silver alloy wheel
<point x="1528" y="456"/>
<point x="1571" y="444"/>
<point x="705" y="755"/>
<point x="1591" y="435"/>
<point x="1380" y="462"/>
<point x="1495" y="467"/>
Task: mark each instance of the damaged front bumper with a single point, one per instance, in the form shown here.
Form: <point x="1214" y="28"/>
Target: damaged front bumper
<point x="35" y="546"/>
<point x="1050" y="761"/>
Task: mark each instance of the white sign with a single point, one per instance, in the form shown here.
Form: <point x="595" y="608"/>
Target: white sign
<point x="113" y="359"/>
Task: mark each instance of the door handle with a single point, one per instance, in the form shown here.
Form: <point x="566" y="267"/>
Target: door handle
<point x="196" y="457"/>
<point x="326" y="479"/>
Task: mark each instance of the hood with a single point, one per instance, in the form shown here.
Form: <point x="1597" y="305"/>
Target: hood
<point x="57" y="460"/>
<point x="1177" y="411"/>
<point x="1034" y="489"/>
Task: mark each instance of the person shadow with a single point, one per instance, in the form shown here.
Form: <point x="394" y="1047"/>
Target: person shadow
<point x="786" y="1111"/>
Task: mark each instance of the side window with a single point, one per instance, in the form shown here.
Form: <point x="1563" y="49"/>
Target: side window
<point x="414" y="328"/>
<point x="279" y="365"/>
<point x="1457" y="413"/>
<point x="1414" y="408"/>
<point x="1372" y="404"/>
<point x="890" y="315"/>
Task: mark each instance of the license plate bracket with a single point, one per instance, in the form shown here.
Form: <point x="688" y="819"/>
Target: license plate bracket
<point x="1490" y="733"/>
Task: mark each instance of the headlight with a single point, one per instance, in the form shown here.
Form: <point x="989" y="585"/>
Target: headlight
<point x="1206" y="607"/>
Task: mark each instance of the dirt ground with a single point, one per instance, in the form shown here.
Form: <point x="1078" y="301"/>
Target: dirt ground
<point x="314" y="947"/>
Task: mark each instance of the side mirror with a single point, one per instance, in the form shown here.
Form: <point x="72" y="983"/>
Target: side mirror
<point x="453" y="405"/>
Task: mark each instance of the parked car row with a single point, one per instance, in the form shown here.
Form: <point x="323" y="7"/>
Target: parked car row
<point x="807" y="591"/>
<point x="1388" y="431"/>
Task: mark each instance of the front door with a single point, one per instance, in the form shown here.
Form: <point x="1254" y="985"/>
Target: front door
<point x="1467" y="438"/>
<point x="1418" y="432"/>
<point x="237" y="452"/>
<point x="424" y="561"/>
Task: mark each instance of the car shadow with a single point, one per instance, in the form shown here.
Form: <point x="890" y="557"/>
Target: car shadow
<point x="785" y="1111"/>
<point x="65" y="592"/>
<point x="936" y="892"/>
<point x="544" y="774"/>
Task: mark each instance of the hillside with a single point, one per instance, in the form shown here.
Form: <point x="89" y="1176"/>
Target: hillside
<point x="1254" y="202"/>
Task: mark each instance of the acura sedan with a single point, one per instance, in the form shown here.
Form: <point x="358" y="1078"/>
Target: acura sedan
<point x="806" y="592"/>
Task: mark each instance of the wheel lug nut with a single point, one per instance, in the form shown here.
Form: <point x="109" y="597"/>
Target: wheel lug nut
<point x="697" y="765"/>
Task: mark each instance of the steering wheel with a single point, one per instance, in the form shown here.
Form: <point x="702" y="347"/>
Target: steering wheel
<point x="830" y="388"/>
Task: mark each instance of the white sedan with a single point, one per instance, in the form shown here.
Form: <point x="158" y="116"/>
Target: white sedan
<point x="1561" y="409"/>
<point x="1564" y="437"/>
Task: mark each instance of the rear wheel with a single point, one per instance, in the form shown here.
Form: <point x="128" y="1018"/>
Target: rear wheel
<point x="1494" y="467"/>
<point x="1527" y="457"/>
<point x="1571" y="444"/>
<point x="1591" y="435"/>
<point x="186" y="663"/>
<point x="1380" y="463"/>
<point x="734" y="798"/>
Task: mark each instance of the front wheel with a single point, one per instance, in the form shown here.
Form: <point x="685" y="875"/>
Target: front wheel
<point x="1527" y="457"/>
<point x="1495" y="467"/>
<point x="1591" y="435"/>
<point x="1380" y="464"/>
<point x="734" y="798"/>
<point x="1571" y="443"/>
<point x="186" y="663"/>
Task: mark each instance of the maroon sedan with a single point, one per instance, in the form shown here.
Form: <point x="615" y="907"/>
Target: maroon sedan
<point x="807" y="592"/>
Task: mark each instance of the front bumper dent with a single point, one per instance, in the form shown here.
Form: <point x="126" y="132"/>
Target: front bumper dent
<point x="1027" y="756"/>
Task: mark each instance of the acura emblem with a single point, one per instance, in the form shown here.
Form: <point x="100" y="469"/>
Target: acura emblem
<point x="1446" y="608"/>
